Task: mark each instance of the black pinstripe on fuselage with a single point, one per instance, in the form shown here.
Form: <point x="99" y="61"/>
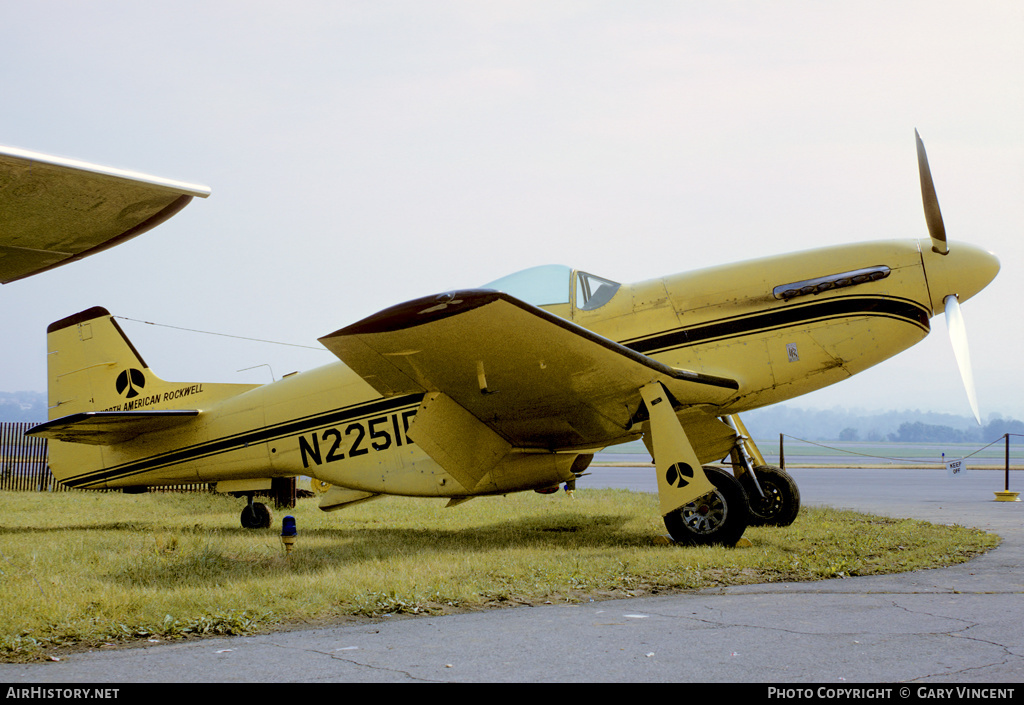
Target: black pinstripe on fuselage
<point x="759" y="322"/>
<point x="227" y="444"/>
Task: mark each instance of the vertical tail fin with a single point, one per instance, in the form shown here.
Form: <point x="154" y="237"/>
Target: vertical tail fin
<point x="92" y="366"/>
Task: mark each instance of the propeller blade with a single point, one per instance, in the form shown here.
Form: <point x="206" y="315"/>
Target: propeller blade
<point x="932" y="214"/>
<point x="958" y="337"/>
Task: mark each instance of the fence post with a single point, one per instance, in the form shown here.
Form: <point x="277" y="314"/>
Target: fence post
<point x="1006" y="495"/>
<point x="782" y="453"/>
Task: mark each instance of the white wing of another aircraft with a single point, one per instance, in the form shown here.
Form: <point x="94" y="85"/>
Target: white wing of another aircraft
<point x="54" y="210"/>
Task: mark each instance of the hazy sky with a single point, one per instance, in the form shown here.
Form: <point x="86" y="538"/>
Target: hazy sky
<point x="365" y="153"/>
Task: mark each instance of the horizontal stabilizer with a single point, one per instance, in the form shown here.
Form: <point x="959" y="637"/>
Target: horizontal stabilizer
<point x="107" y="428"/>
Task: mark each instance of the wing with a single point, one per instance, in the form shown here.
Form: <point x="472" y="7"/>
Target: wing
<point x="54" y="211"/>
<point x="535" y="379"/>
<point x="110" y="427"/>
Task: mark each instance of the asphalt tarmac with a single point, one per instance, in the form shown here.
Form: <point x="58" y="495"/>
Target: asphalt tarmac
<point x="960" y="625"/>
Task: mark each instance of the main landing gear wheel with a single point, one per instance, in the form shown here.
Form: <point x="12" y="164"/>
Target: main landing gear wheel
<point x="719" y="517"/>
<point x="781" y="501"/>
<point x="255" y="515"/>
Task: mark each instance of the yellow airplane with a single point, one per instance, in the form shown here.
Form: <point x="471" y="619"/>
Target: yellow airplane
<point x="514" y="386"/>
<point x="54" y="211"/>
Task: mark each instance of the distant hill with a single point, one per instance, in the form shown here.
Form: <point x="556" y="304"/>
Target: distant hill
<point x="23" y="406"/>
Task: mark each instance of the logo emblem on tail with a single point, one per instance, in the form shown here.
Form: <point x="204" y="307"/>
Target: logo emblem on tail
<point x="131" y="380"/>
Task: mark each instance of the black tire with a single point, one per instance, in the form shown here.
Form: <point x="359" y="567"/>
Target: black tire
<point x="781" y="502"/>
<point x="717" y="518"/>
<point x="256" y="516"/>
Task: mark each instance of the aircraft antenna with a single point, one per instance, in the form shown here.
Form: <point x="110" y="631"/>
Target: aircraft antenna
<point x="223" y="335"/>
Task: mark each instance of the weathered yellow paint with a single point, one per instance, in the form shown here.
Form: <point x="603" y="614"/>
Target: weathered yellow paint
<point x="508" y="376"/>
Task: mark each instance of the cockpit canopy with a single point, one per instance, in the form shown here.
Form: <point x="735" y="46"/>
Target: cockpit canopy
<point x="551" y="284"/>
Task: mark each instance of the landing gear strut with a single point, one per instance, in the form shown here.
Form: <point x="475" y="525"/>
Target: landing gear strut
<point x="700" y="505"/>
<point x="773" y="497"/>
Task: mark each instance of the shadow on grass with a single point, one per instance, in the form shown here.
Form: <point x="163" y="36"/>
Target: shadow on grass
<point x="113" y="526"/>
<point x="215" y="563"/>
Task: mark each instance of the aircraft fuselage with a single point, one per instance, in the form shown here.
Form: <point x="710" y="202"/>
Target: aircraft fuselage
<point x="781" y="326"/>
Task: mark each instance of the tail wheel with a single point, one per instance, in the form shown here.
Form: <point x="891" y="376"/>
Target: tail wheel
<point x="719" y="517"/>
<point x="781" y="502"/>
<point x="255" y="516"/>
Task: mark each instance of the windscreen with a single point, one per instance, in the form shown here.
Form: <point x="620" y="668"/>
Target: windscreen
<point x="539" y="286"/>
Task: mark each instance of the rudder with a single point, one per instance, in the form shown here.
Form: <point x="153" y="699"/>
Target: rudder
<point x="92" y="365"/>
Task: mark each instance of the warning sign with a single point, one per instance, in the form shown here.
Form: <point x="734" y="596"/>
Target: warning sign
<point x="956" y="468"/>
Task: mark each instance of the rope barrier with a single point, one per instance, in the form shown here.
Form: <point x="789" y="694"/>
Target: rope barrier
<point x="922" y="461"/>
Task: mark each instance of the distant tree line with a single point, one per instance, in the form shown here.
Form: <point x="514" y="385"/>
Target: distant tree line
<point x="875" y="427"/>
<point x="919" y="432"/>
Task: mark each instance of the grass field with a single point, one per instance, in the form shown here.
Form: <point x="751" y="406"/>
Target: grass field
<point x="87" y="569"/>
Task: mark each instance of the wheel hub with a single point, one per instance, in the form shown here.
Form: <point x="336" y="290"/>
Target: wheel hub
<point x="705" y="515"/>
